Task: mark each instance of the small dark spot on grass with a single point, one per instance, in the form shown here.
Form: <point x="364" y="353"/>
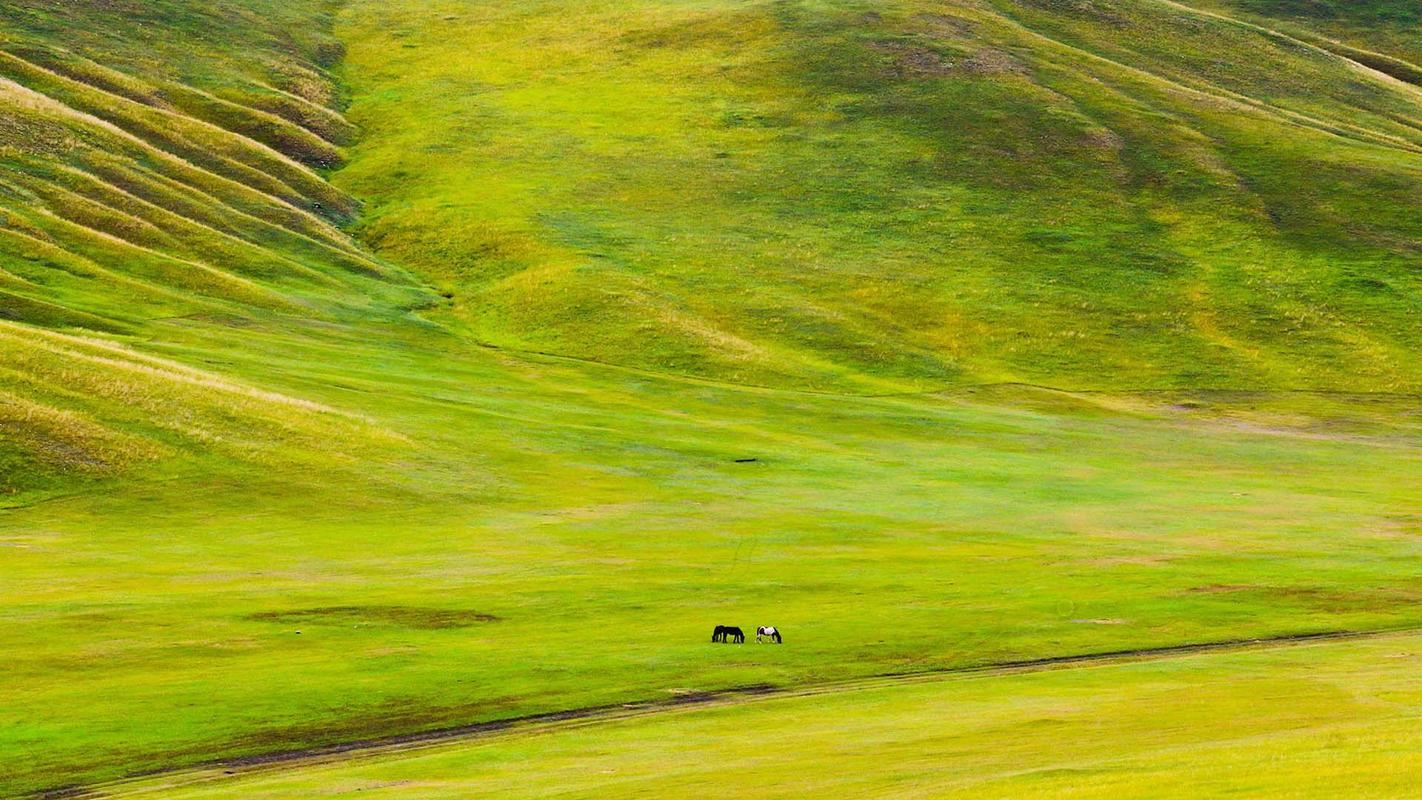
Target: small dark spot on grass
<point x="1333" y="600"/>
<point x="1048" y="238"/>
<point x="415" y="617"/>
<point x="1367" y="286"/>
<point x="907" y="59"/>
<point x="66" y="791"/>
<point x="747" y="460"/>
<point x="1219" y="588"/>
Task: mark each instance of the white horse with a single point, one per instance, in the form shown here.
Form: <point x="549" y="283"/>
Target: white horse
<point x="764" y="633"/>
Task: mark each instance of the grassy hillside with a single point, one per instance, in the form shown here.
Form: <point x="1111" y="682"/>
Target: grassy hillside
<point x="1383" y="34"/>
<point x="1119" y="193"/>
<point x="163" y="164"/>
<point x="280" y="466"/>
<point x="1339" y="716"/>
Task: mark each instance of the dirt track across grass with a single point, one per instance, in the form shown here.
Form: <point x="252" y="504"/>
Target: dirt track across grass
<point x="366" y="748"/>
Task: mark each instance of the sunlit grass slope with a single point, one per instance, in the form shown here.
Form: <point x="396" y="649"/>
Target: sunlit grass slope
<point x="1113" y="193"/>
<point x="1309" y="722"/>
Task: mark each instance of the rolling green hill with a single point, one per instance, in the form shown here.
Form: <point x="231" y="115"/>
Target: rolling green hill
<point x="1115" y="193"/>
<point x="378" y="367"/>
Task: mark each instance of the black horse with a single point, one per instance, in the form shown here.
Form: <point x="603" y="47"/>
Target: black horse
<point x="728" y="633"/>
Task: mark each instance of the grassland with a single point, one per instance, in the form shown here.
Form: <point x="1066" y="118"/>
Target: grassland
<point x="180" y="615"/>
<point x="308" y="437"/>
<point x="1307" y="722"/>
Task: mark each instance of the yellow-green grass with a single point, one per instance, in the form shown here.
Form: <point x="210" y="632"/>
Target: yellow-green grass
<point x="246" y="66"/>
<point x="124" y="202"/>
<point x="225" y="603"/>
<point x="1121" y="193"/>
<point x="1306" y="722"/>
<point x="264" y="489"/>
<point x="1384" y="34"/>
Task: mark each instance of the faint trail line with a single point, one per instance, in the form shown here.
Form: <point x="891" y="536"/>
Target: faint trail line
<point x="227" y="769"/>
<point x="947" y="389"/>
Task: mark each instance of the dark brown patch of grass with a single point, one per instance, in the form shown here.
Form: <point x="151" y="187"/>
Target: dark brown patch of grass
<point x="415" y="617"/>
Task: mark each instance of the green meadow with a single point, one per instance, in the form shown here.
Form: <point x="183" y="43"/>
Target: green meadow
<point x="1307" y="722"/>
<point x="370" y="368"/>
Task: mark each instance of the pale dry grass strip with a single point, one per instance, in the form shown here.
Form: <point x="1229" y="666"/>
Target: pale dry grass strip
<point x="71" y="439"/>
<point x="240" y="288"/>
<point x="58" y="254"/>
<point x="113" y="370"/>
<point x="173" y="218"/>
<point x="14" y="92"/>
<point x="1219" y="96"/>
<point x="125" y="359"/>
<point x="179" y="119"/>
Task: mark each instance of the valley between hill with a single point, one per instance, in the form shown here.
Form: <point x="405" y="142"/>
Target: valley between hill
<point x="371" y="368"/>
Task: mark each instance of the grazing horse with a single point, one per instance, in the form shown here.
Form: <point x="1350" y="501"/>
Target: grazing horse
<point x="767" y="632"/>
<point x="728" y="633"/>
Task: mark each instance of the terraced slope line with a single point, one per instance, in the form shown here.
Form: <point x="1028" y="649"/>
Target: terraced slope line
<point x="1383" y="34"/>
<point x="593" y="715"/>
<point x="143" y="178"/>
